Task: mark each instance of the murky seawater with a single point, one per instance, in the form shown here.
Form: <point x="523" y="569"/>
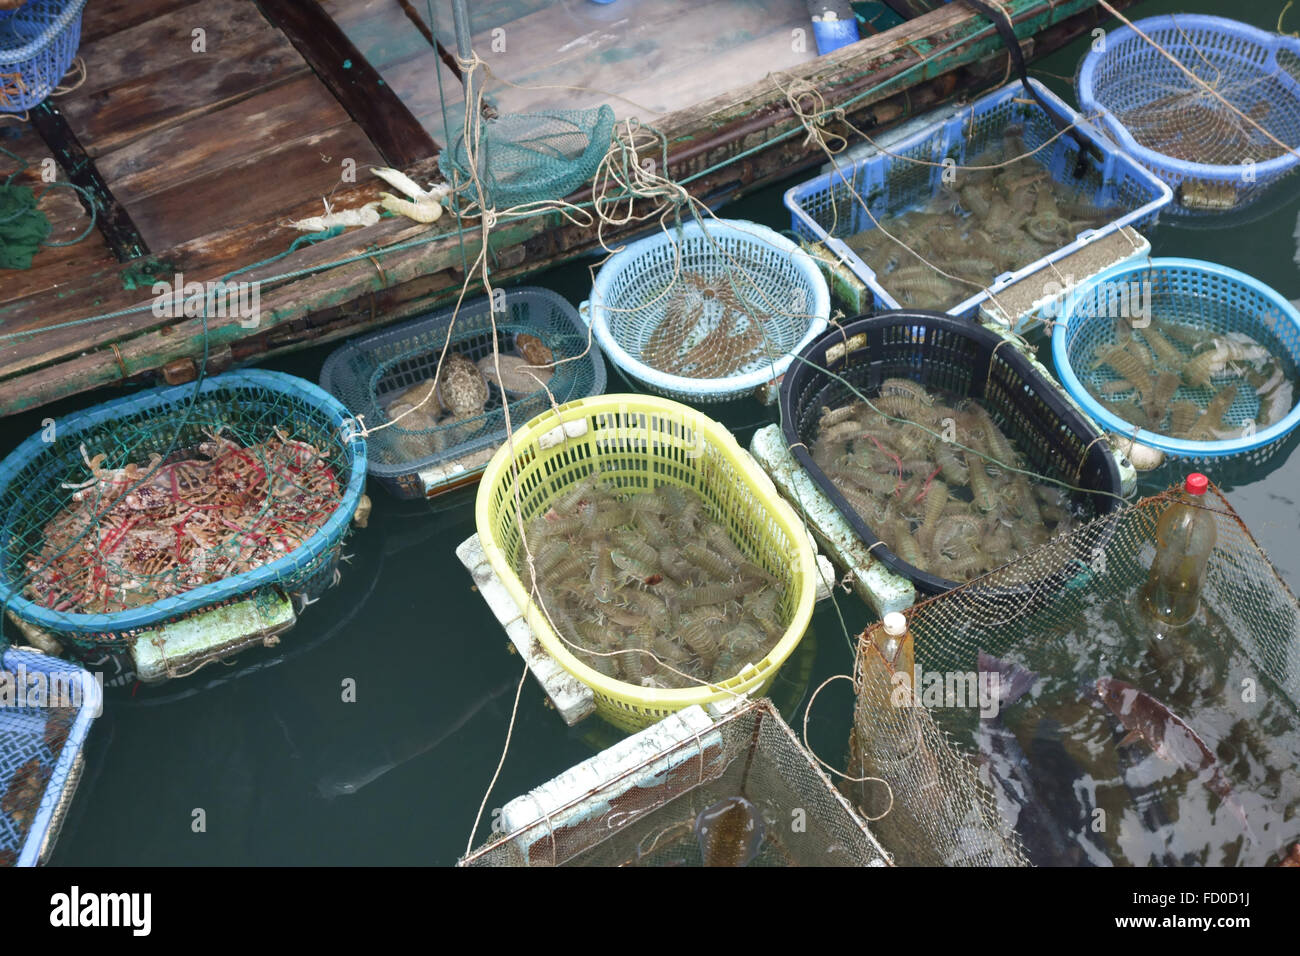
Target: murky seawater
<point x="286" y="772"/>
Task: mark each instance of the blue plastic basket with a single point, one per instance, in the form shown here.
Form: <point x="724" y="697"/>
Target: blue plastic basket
<point x="368" y="371"/>
<point x="38" y="43"/>
<point x="1195" y="293"/>
<point x="1256" y="71"/>
<point x="251" y="403"/>
<point x="629" y="297"/>
<point x="826" y="210"/>
<point x="26" y="745"/>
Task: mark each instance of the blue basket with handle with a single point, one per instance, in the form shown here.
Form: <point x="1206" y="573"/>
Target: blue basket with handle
<point x="248" y="406"/>
<point x="1221" y="303"/>
<point x="41" y="740"/>
<point x="1177" y="127"/>
<point x="718" y="286"/>
<point x="38" y="43"/>
<point x="912" y="173"/>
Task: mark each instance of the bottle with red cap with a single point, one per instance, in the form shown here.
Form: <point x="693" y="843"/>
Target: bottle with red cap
<point x="1185" y="539"/>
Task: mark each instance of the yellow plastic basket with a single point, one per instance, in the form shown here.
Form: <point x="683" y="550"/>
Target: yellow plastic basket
<point x="639" y="442"/>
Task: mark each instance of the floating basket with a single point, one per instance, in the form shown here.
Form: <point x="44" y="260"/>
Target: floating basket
<point x="40" y="751"/>
<point x="1195" y="293"/>
<point x="1176" y="127"/>
<point x="638" y="442"/>
<point x="38" y="43"/>
<point x="247" y="407"/>
<point x="739" y="278"/>
<point x="367" y="372"/>
<point x="964" y="359"/>
<point x="638" y="802"/>
<point x="912" y="173"/>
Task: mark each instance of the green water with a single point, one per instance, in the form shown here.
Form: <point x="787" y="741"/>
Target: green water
<point x="286" y="772"/>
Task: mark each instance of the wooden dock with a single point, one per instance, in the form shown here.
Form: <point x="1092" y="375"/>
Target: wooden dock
<point x="197" y="159"/>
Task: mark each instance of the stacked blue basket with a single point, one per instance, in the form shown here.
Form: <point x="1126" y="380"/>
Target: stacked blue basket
<point x="38" y="43"/>
<point x="1257" y="72"/>
<point x="39" y="747"/>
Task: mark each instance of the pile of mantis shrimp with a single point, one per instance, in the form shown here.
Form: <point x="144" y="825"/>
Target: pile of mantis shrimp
<point x="646" y="588"/>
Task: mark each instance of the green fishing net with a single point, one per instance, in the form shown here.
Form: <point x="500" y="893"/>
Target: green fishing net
<point x="23" y="227"/>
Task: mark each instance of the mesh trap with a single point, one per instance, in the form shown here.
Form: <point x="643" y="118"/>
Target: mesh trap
<point x="1079" y="794"/>
<point x="639" y="803"/>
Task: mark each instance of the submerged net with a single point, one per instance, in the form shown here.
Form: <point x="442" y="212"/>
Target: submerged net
<point x="739" y="791"/>
<point x="1010" y="753"/>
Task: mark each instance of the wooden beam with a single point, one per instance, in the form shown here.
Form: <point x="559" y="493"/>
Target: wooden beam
<point x="357" y="85"/>
<point x="111" y="217"/>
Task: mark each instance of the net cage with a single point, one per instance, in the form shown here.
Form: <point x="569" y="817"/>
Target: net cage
<point x="43" y="726"/>
<point x="964" y="360"/>
<point x="532" y="157"/>
<point x="647" y="801"/>
<point x="1043" y="776"/>
<point x="534" y="328"/>
<point x="1207" y="358"/>
<point x="1207" y="123"/>
<point x="143" y="510"/>
<point x="913" y="173"/>
<point x="709" y="311"/>
<point x="38" y="43"/>
<point x="635" y="443"/>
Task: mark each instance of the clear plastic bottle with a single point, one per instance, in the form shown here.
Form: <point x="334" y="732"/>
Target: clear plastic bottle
<point x="1185" y="539"/>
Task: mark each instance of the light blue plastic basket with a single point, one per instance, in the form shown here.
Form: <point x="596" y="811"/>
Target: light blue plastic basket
<point x="825" y="209"/>
<point x="26" y="746"/>
<point x="38" y="43"/>
<point x="1195" y="293"/>
<point x="1251" y="68"/>
<point x="628" y="300"/>
<point x="247" y="404"/>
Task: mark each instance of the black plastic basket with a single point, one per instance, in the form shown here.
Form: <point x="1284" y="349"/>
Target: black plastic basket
<point x="966" y="360"/>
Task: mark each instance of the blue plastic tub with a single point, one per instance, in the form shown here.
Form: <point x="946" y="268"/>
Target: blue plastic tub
<point x="1258" y="72"/>
<point x="825" y="209"/>
<point x="40" y="742"/>
<point x="250" y="402"/>
<point x="1197" y="293"/>
<point x="38" y="43"/>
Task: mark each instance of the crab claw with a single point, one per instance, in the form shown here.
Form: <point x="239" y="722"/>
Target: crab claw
<point x="426" y="211"/>
<point x="401" y="182"/>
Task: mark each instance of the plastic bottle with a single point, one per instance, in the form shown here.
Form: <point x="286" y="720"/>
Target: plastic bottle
<point x="1185" y="539"/>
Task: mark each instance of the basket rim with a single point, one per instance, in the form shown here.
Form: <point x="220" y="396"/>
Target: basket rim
<point x="595" y="312"/>
<point x="1272" y="42"/>
<point x="332" y="370"/>
<point x="91" y="704"/>
<point x="1164" y="196"/>
<point x="215" y="591"/>
<point x="764" y="495"/>
<point x="71" y="11"/>
<point x="925" y="581"/>
<point x="1220" y="448"/>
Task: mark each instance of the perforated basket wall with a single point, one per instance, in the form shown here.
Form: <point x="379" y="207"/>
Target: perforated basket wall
<point x="40" y="750"/>
<point x="247" y="406"/>
<point x="825" y="208"/>
<point x="1244" y="634"/>
<point x="636" y="803"/>
<point x="367" y="372"/>
<point x="637" y="442"/>
<point x="1181" y="130"/>
<point x="1195" y="293"/>
<point x="785" y="294"/>
<point x="965" y="359"/>
<point x="38" y="43"/>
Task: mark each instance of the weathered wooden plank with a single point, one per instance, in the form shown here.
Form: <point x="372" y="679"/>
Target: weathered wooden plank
<point x="105" y="17"/>
<point x="259" y="187"/>
<point x="111" y="217"/>
<point x="110" y="118"/>
<point x="243" y="131"/>
<point x="355" y="83"/>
